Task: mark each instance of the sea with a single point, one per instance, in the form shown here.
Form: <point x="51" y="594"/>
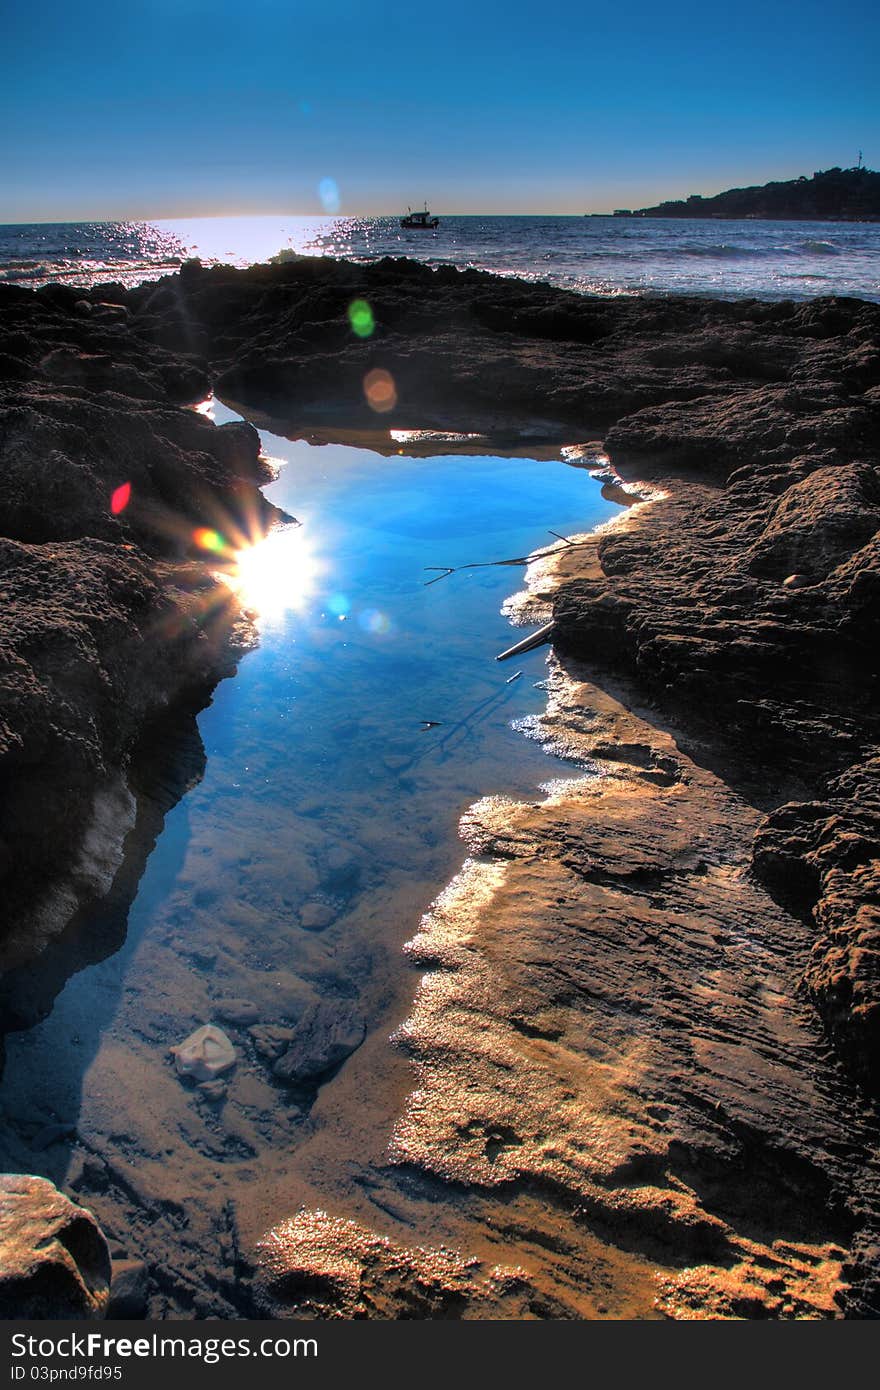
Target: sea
<point x="587" y="254"/>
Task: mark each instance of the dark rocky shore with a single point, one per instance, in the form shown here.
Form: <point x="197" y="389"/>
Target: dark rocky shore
<point x="108" y="621"/>
<point x="686" y="1035"/>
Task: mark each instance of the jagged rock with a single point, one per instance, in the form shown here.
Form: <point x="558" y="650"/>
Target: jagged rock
<point x="271" y="1039"/>
<point x="324" y="1036"/>
<point x="783" y="394"/>
<point x="101" y="624"/>
<point x="620" y="1020"/>
<point x="819" y="522"/>
<point x="824" y="856"/>
<point x="54" y="1260"/>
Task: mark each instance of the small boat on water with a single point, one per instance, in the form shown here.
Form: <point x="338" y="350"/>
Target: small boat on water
<point x="424" y="220"/>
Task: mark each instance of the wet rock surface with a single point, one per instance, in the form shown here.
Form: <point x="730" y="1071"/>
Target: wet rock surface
<point x="612" y="1011"/>
<point x="324" y="1036"/>
<point x="54" y="1260"/>
<point x="780" y="679"/>
<point x="318" y="1266"/>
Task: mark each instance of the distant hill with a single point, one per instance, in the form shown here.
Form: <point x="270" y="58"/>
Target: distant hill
<point x="831" y="195"/>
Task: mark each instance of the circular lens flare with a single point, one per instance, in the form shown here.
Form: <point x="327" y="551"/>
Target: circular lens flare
<point x="380" y="391"/>
<point x="360" y="316"/>
<point x="328" y="192"/>
<point x="206" y="539"/>
<point x="371" y="620"/>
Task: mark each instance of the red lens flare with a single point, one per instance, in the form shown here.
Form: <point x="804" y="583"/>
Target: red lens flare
<point x="120" y="498"/>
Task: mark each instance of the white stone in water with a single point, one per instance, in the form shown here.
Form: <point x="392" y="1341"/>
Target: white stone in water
<point x="204" y="1054"/>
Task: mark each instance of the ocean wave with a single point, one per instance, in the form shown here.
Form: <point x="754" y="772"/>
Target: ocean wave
<point x="721" y="251"/>
<point x="83" y="274"/>
<point x="727" y="251"/>
<point x="819" y="248"/>
<point x="26" y="270"/>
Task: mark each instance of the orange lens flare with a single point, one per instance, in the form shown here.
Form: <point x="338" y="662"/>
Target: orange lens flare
<point x="206" y="539"/>
<point x="120" y="498"/>
<point x="380" y="391"/>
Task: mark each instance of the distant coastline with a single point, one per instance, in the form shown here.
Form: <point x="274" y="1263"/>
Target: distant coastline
<point x="831" y="195"/>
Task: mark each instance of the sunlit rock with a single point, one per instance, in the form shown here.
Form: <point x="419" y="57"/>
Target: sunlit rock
<point x="322" y="1266"/>
<point x="54" y="1260"/>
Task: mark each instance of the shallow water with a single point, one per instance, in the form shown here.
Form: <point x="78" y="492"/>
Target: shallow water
<point x="325" y="823"/>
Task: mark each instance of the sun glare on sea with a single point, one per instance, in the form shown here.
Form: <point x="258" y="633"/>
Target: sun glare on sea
<point x="275" y="575"/>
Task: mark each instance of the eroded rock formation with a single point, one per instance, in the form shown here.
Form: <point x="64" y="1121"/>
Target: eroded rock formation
<point x="109" y="618"/>
<point x="54" y="1260"/>
<point x="315" y="1265"/>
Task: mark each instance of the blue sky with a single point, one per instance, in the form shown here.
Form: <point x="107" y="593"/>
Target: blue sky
<point x="184" y="107"/>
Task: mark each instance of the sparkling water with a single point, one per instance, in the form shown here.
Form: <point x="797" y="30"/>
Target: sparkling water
<point x="593" y="255"/>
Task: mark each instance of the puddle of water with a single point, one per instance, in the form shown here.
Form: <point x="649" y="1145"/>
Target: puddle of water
<point x="325" y="823"/>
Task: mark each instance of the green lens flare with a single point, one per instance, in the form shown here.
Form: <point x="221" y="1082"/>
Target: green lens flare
<point x="208" y="539"/>
<point x="360" y="316"/>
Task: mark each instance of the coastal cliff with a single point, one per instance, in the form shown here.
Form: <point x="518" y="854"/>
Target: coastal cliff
<point x="641" y="995"/>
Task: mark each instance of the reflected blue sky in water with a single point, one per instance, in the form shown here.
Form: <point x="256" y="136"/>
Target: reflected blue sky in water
<point x="356" y="651"/>
<point x="327" y="817"/>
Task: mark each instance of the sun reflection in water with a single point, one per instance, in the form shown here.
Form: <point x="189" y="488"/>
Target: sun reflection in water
<point x="275" y="575"/>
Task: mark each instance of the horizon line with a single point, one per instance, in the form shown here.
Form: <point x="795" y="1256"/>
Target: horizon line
<point x="310" y="216"/>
